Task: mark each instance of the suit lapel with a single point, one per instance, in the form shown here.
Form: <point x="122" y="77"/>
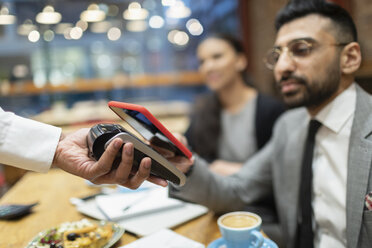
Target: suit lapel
<point x="359" y="165"/>
<point x="293" y="170"/>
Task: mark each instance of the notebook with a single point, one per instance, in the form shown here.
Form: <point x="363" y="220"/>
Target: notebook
<point x="164" y="238"/>
<point x="139" y="224"/>
<point x="121" y="206"/>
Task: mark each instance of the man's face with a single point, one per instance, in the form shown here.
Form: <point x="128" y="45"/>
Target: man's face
<point x="311" y="78"/>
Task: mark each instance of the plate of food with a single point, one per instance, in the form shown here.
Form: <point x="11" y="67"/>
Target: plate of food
<point x="79" y="234"/>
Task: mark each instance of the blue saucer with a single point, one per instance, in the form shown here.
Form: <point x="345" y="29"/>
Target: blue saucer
<point x="220" y="243"/>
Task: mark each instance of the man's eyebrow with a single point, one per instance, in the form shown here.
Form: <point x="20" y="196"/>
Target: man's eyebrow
<point x="308" y="39"/>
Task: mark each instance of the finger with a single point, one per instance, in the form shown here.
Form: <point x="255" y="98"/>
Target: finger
<point x="157" y="180"/>
<point x="141" y="175"/>
<point x="104" y="164"/>
<point x="122" y="173"/>
<point x="164" y="152"/>
<point x="182" y="163"/>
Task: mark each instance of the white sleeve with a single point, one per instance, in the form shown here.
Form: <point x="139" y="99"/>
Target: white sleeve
<point x="27" y="144"/>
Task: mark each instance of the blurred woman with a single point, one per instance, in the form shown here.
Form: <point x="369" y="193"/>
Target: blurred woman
<point x="234" y="121"/>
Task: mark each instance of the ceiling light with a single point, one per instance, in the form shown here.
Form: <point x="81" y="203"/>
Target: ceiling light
<point x="178" y="38"/>
<point x="93" y="14"/>
<point x="194" y="27"/>
<point x="76" y="33"/>
<point x="156" y="22"/>
<point x="48" y="35"/>
<point x="5" y="18"/>
<point x="100" y="27"/>
<point x="135" y="12"/>
<point x="114" y="34"/>
<point x="178" y="10"/>
<point x="171" y="35"/>
<point x="82" y="24"/>
<point x="136" y="26"/>
<point x="34" y="36"/>
<point x="25" y="28"/>
<point x="181" y="38"/>
<point x="66" y="33"/>
<point x="61" y="27"/>
<point x="48" y="16"/>
<point x="168" y="2"/>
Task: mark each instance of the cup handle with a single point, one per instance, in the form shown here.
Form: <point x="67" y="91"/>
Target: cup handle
<point x="259" y="239"/>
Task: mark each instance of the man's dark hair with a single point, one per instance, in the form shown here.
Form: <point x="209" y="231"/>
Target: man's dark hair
<point x="343" y="24"/>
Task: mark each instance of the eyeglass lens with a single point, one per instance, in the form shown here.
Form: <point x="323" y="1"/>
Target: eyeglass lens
<point x="299" y="48"/>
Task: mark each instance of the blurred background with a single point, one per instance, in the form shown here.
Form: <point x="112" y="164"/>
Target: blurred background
<point x="64" y="52"/>
<point x="61" y="61"/>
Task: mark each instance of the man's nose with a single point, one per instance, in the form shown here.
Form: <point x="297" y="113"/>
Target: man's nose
<point x="286" y="63"/>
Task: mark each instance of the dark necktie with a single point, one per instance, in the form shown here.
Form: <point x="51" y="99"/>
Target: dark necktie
<point x="305" y="236"/>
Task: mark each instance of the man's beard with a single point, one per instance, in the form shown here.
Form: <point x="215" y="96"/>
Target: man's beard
<point x="315" y="94"/>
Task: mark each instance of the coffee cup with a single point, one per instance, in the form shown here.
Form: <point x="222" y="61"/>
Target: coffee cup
<point x="241" y="229"/>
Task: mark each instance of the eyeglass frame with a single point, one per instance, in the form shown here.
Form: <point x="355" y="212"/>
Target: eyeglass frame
<point x="311" y="43"/>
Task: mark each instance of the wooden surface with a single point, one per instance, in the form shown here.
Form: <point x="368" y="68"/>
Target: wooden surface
<point x="53" y="191"/>
<point x="188" y="78"/>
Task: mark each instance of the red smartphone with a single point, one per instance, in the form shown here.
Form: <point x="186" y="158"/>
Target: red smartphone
<point x="150" y="128"/>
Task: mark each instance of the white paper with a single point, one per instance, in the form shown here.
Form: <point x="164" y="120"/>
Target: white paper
<point x="127" y="205"/>
<point x="164" y="239"/>
<point x="147" y="224"/>
<point x="139" y="225"/>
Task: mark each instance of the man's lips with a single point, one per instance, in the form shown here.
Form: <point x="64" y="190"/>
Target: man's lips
<point x="288" y="86"/>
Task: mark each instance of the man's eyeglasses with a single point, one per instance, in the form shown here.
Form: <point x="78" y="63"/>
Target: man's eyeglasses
<point x="295" y="49"/>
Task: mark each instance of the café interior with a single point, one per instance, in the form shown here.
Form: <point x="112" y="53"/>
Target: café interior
<point x="62" y="61"/>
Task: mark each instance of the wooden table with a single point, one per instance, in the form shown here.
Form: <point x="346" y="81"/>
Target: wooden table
<point x="53" y="191"/>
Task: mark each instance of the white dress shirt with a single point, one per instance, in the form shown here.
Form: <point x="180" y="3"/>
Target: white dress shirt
<point x="330" y="170"/>
<point x="26" y="143"/>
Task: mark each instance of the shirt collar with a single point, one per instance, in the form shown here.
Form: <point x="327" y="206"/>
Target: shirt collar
<point x="336" y="113"/>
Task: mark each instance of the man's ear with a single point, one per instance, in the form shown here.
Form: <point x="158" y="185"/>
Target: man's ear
<point x="351" y="58"/>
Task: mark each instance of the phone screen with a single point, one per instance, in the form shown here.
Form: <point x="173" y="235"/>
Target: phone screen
<point x="149" y="131"/>
<point x="142" y="119"/>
